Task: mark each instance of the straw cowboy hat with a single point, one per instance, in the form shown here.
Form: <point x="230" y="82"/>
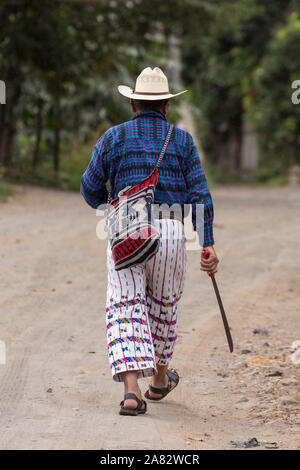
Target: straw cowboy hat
<point x="150" y="85"/>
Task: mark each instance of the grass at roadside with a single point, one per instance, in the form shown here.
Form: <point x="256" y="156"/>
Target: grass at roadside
<point x="6" y="190"/>
<point x="74" y="163"/>
<point x="216" y="176"/>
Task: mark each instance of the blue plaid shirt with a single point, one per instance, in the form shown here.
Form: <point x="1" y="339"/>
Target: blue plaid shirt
<point x="125" y="154"/>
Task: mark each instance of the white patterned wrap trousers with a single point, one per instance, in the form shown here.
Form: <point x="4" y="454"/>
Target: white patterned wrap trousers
<point x="141" y="307"/>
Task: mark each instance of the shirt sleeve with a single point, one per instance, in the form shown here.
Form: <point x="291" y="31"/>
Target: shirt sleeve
<point x="93" y="181"/>
<point x="198" y="193"/>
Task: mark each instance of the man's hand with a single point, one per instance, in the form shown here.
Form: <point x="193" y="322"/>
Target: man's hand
<point x="209" y="265"/>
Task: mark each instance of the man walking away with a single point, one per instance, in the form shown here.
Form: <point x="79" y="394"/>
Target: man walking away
<point x="142" y="301"/>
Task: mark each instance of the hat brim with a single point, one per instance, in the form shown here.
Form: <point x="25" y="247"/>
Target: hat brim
<point x="128" y="92"/>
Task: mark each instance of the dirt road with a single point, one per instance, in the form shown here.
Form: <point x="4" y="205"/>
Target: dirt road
<point x="56" y="390"/>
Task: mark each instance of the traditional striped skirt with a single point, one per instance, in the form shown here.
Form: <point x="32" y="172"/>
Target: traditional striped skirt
<point x="141" y="308"/>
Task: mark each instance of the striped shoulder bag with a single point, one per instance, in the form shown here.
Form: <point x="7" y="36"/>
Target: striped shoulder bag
<point x="133" y="236"/>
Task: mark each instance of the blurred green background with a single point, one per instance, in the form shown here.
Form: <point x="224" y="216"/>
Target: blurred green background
<point x="61" y="62"/>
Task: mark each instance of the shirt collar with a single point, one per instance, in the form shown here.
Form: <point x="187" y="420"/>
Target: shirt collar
<point x="150" y="113"/>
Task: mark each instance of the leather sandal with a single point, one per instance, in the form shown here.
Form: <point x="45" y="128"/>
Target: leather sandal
<point x="140" y="409"/>
<point x="173" y="377"/>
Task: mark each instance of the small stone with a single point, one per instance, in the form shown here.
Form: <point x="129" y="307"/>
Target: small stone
<point x="243" y="400"/>
<point x="274" y="372"/>
<point x="287" y="402"/>
<point x="222" y="374"/>
<point x="261" y="331"/>
<point x="271" y="445"/>
<point x="69" y="282"/>
<point x="50" y="390"/>
<point x="240" y="365"/>
<point x="245" y="351"/>
<point x="288" y="382"/>
<point x="266" y="345"/>
<point x="195" y="438"/>
<point x="253" y="442"/>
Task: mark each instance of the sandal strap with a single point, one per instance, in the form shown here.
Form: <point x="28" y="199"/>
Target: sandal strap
<point x="132" y="396"/>
<point x="159" y="390"/>
<point x="173" y="376"/>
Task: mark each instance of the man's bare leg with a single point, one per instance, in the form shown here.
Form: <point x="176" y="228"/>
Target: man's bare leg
<point x="131" y="386"/>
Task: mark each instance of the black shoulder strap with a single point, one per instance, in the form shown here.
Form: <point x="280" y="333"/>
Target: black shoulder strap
<point x="164" y="148"/>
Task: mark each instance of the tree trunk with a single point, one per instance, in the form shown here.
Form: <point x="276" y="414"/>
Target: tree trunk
<point x="7" y="117"/>
<point x="2" y="119"/>
<point x="226" y="152"/>
<point x="57" y="121"/>
<point x="3" y="75"/>
<point x="76" y="122"/>
<point x="39" y="129"/>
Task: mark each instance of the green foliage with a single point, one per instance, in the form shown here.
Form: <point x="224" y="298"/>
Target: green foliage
<point x="6" y="189"/>
<point x="63" y="60"/>
<point x="232" y="51"/>
<point x="75" y="160"/>
<point x="271" y="111"/>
